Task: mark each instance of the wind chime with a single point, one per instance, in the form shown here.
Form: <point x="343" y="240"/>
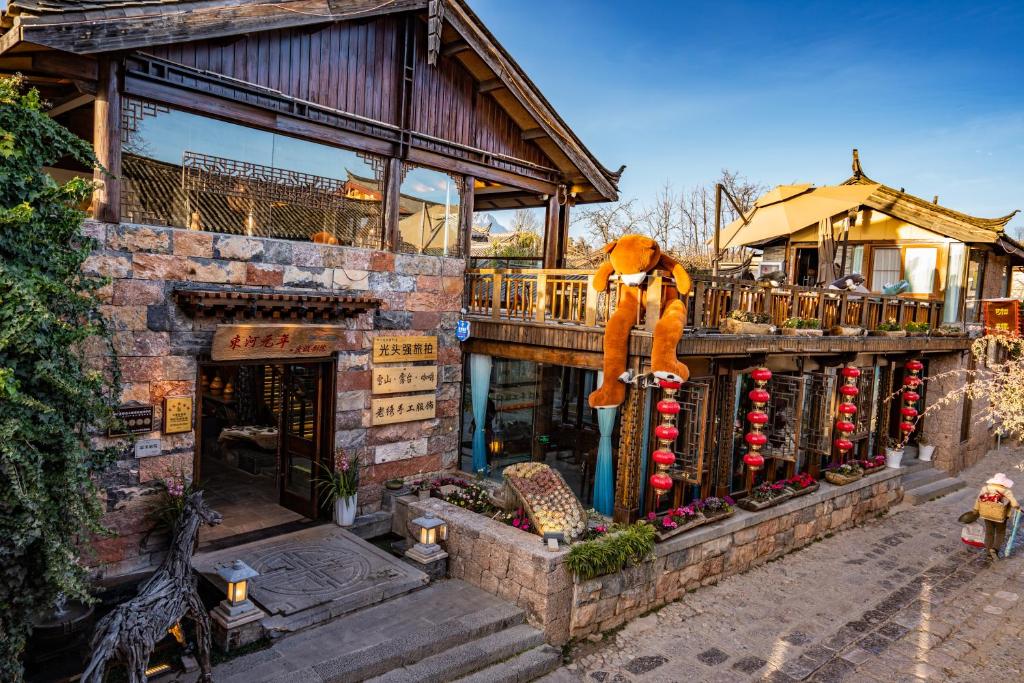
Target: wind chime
<point x="847" y="409"/>
<point x="757" y="418"/>
<point x="911" y="381"/>
<point x="666" y="433"/>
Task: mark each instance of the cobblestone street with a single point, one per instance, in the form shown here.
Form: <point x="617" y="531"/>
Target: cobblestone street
<point x="898" y="599"/>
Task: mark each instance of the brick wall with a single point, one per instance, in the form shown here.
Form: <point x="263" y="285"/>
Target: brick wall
<point x="158" y="345"/>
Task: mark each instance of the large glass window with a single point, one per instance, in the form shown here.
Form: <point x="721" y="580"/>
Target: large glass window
<point x="196" y="172"/>
<point x="920" y="271"/>
<point x="428" y="213"/>
<point x="975" y="277"/>
<point x="885" y="267"/>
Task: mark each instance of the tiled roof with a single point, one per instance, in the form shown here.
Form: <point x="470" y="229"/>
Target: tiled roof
<point x="56" y="6"/>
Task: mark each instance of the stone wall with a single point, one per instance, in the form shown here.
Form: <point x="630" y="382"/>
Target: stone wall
<point x="946" y="373"/>
<point x="158" y="346"/>
<point x="516" y="566"/>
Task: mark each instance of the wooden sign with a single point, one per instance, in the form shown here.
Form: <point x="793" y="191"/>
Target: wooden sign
<point x="404" y="349"/>
<point x="1002" y="316"/>
<point x="253" y="342"/>
<point x="132" y="418"/>
<point x="177" y="414"/>
<point x="403" y="408"/>
<point x="402" y="378"/>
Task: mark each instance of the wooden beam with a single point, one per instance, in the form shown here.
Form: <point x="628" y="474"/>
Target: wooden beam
<point x="106" y="198"/>
<point x="552" y="230"/>
<point x="491" y="85"/>
<point x="73" y="102"/>
<point x="534" y="133"/>
<point x="537" y="354"/>
<point x="392" y="198"/>
<point x="468" y="202"/>
<point x="482" y="171"/>
<point x="453" y="48"/>
<point x="64" y="64"/>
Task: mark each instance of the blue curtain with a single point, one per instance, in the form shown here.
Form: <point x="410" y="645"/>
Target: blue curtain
<point x="604" y="488"/>
<point x="480" y="385"/>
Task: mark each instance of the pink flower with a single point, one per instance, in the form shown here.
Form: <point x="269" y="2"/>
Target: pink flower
<point x="600" y="528"/>
<point x="651" y="516"/>
<point x="515" y="523"/>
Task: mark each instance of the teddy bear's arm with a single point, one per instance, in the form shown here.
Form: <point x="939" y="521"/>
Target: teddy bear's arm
<point x="679" y="273"/>
<point x="602" y="274"/>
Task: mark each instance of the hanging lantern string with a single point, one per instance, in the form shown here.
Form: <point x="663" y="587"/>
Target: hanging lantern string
<point x="848" y="391"/>
<point x="909" y="412"/>
<point x="666" y="432"/>
<point x="758" y="418"/>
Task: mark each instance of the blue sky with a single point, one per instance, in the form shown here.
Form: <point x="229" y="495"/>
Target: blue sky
<point x="932" y="93"/>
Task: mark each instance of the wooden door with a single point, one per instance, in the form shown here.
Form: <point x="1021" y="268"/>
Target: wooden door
<point x="302" y="437"/>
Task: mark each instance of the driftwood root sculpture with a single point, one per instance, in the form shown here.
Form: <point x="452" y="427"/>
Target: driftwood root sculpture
<point x="131" y="631"/>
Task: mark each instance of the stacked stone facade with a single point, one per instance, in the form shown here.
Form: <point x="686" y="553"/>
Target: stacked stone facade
<point x="158" y="347"/>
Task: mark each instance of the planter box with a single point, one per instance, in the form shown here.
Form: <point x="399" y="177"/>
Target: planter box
<point x="841" y="331"/>
<point x="881" y="333"/>
<point x="752" y="505"/>
<point x="803" y="492"/>
<point x="662" y="534"/>
<point x="797" y="332"/>
<point x="841" y="479"/>
<point x="872" y="470"/>
<point x="710" y="519"/>
<point x="730" y="326"/>
<point x="917" y="334"/>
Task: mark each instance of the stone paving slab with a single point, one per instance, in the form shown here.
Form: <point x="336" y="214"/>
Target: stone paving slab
<point x="897" y="599"/>
<point x="314" y="567"/>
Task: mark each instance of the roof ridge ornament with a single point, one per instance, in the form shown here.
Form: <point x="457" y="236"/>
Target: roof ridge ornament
<point x="858" y="171"/>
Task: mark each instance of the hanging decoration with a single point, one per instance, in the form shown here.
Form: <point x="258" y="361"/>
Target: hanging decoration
<point x="911" y="382"/>
<point x="847" y="410"/>
<point x="757" y="418"/>
<point x="666" y="433"/>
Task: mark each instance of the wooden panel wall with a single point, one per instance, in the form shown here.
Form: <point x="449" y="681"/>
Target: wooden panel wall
<point x="348" y="66"/>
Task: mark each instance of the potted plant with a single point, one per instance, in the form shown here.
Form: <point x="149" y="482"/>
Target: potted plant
<point x="846" y="331"/>
<point x="766" y="495"/>
<point x="341" y="485"/>
<point x="890" y="328"/>
<point x="801" y="327"/>
<point x="745" y="322"/>
<point x="917" y="329"/>
<point x="840" y="475"/>
<point x="675" y="521"/>
<point x="714" y="508"/>
<point x="893" y="452"/>
<point x="948" y="331"/>
<point x="394" y="484"/>
<point x="925" y="449"/>
<point x="801" y="484"/>
<point x="874" y="464"/>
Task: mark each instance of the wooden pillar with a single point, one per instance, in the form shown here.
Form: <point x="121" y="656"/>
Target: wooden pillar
<point x="106" y="198"/>
<point x="392" y="237"/>
<point x="563" y="219"/>
<point x="552" y="232"/>
<point x="468" y="201"/>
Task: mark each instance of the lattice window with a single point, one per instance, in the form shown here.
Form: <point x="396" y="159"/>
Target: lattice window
<point x="133" y="111"/>
<point x="692" y="423"/>
<point x="865" y="401"/>
<point x="818" y="417"/>
<point x="724" y="452"/>
<point x="783" y="417"/>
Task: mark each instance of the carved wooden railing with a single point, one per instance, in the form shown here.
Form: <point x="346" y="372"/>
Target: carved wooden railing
<point x="566" y="297"/>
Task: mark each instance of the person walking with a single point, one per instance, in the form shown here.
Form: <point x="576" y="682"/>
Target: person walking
<point x="994" y="505"/>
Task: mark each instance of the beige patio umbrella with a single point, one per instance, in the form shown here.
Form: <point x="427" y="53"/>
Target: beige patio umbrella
<point x="789" y="208"/>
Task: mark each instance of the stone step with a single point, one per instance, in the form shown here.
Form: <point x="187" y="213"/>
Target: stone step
<point x="467" y="658"/>
<point x="934" y="489"/>
<point x="528" y="666"/>
<point x="912" y="465"/>
<point x="922" y="478"/>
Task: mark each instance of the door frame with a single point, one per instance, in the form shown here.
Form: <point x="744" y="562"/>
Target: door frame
<point x="328" y="401"/>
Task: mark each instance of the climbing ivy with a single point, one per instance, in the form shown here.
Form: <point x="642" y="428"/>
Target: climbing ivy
<point x="50" y="397"/>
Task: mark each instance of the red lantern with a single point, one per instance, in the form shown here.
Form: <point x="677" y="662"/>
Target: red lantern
<point x="914" y="365"/>
<point x="667" y="407"/>
<point x="759" y="396"/>
<point x="661" y="482"/>
<point x="666" y="432"/>
<point x="844" y="426"/>
<point x="753" y="460"/>
<point x="843" y="444"/>
<point x="849" y="390"/>
<point x="847" y="408"/>
<point x="761" y="375"/>
<point x="757" y="417"/>
<point x="908" y="412"/>
<point x="852" y="373"/>
<point x="756" y="439"/>
<point x="663" y="457"/>
<point x="912" y="381"/>
<point x="906" y="427"/>
<point x="669" y="384"/>
<point x="911" y="396"/>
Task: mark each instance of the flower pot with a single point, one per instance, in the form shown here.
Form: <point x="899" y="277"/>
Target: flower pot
<point x="886" y="333"/>
<point x="730" y="326"/>
<point x="663" y="534"/>
<point x="345" y="511"/>
<point x="803" y="492"/>
<point x="843" y="331"/>
<point x="924" y="452"/>
<point x="841" y="479"/>
<point x="800" y="332"/>
<point x="893" y="457"/>
<point x="752" y="505"/>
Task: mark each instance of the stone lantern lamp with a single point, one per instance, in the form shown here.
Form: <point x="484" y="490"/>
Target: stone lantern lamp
<point x="236" y="619"/>
<point x="426" y="553"/>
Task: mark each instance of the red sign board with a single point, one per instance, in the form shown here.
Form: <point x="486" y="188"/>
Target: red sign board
<point x="1002" y="316"/>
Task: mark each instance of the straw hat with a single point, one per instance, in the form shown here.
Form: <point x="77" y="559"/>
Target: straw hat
<point x="1001" y="480"/>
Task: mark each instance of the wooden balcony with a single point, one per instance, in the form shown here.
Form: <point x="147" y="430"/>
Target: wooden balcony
<point x="560" y="311"/>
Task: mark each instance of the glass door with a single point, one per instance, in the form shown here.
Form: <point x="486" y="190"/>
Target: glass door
<point x="301" y="437"/>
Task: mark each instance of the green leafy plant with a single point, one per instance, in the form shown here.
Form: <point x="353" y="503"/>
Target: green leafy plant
<point x="915" y="328"/>
<point x="52" y="396"/>
<point x="342" y="482"/>
<point x="749" y="317"/>
<point x="167" y="508"/>
<point x="802" y="323"/>
<point x="889" y="325"/>
<point x="610" y="553"/>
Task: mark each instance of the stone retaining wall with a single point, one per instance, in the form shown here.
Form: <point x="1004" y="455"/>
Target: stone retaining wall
<point x="516" y="566"/>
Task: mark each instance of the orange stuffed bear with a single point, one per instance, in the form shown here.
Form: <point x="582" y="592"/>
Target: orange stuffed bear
<point x="632" y="257"/>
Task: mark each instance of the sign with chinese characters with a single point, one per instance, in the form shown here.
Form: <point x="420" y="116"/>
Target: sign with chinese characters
<point x="1002" y="316"/>
<point x="404" y="349"/>
<point x="462" y="330"/>
<point x="177" y="414"/>
<point x="247" y="342"/>
<point x="132" y="418"/>
<point x="403" y="408"/>
<point x="401" y="378"/>
<point x="147" y="448"/>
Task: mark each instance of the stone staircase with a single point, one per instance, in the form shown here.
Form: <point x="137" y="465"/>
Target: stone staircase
<point x="923" y="482"/>
<point x="447" y="631"/>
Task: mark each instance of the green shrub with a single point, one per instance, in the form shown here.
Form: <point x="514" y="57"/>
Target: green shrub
<point x="610" y="553"/>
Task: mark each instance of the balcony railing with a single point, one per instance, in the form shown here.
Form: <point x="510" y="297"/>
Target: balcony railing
<point x="566" y="297"/>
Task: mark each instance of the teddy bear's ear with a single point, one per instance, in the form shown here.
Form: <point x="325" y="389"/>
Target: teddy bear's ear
<point x="608" y="247"/>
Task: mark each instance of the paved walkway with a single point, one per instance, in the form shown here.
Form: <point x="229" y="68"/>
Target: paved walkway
<point x="898" y="599"/>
